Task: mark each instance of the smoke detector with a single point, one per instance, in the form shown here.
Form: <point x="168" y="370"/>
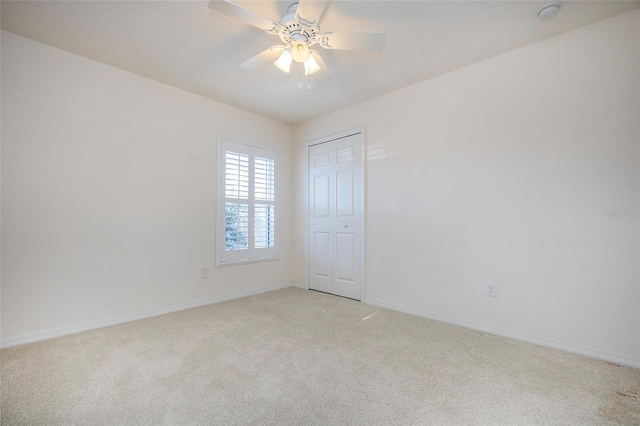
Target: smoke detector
<point x="549" y="11"/>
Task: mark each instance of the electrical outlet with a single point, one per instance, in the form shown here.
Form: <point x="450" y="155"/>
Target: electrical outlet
<point x="491" y="289"/>
<point x="204" y="273"/>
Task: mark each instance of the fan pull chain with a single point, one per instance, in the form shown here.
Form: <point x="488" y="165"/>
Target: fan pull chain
<point x="308" y="82"/>
<point x="299" y="78"/>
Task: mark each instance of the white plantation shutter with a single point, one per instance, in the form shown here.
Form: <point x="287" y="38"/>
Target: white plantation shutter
<point x="247" y="211"/>
<point x="236" y="189"/>
<point x="264" y="179"/>
<point x="264" y="190"/>
<point x="236" y="178"/>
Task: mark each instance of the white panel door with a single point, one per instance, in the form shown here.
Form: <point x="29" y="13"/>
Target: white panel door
<point x="336" y="189"/>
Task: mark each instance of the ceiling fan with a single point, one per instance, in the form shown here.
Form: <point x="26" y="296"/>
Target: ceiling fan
<point x="299" y="32"/>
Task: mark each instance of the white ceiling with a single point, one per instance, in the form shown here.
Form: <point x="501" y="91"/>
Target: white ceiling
<point x="187" y="45"/>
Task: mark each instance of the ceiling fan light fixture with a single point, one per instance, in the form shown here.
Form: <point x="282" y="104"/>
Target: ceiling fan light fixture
<point x="284" y="62"/>
<point x="311" y="66"/>
<point x="300" y="50"/>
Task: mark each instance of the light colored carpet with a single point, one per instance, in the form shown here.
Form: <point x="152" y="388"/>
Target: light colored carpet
<point x="295" y="357"/>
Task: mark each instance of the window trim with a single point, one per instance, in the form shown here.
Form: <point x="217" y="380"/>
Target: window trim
<point x="221" y="202"/>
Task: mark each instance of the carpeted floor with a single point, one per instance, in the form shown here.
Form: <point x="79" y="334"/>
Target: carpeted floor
<point x="295" y="357"/>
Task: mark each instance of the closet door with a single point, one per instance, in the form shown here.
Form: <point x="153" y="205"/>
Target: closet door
<point x="336" y="189"/>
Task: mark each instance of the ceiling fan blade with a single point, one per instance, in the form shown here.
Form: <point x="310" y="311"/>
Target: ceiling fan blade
<point x="353" y="40"/>
<point x="240" y="13"/>
<point x="324" y="74"/>
<point x="263" y="58"/>
<point x="309" y="12"/>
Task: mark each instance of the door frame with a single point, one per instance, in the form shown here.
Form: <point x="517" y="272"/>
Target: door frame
<point x="361" y="208"/>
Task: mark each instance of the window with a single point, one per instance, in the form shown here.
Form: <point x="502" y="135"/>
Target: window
<point x="247" y="208"/>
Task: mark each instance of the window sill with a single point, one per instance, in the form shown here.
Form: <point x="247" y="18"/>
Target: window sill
<point x="245" y="262"/>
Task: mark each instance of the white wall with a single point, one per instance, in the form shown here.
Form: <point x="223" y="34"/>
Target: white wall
<point x="502" y="172"/>
<point x="108" y="192"/>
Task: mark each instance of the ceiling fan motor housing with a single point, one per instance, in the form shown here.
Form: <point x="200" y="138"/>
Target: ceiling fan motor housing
<point x="292" y="31"/>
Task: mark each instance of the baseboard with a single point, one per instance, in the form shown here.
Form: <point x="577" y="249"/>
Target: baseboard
<point x="63" y="331"/>
<point x="603" y="354"/>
